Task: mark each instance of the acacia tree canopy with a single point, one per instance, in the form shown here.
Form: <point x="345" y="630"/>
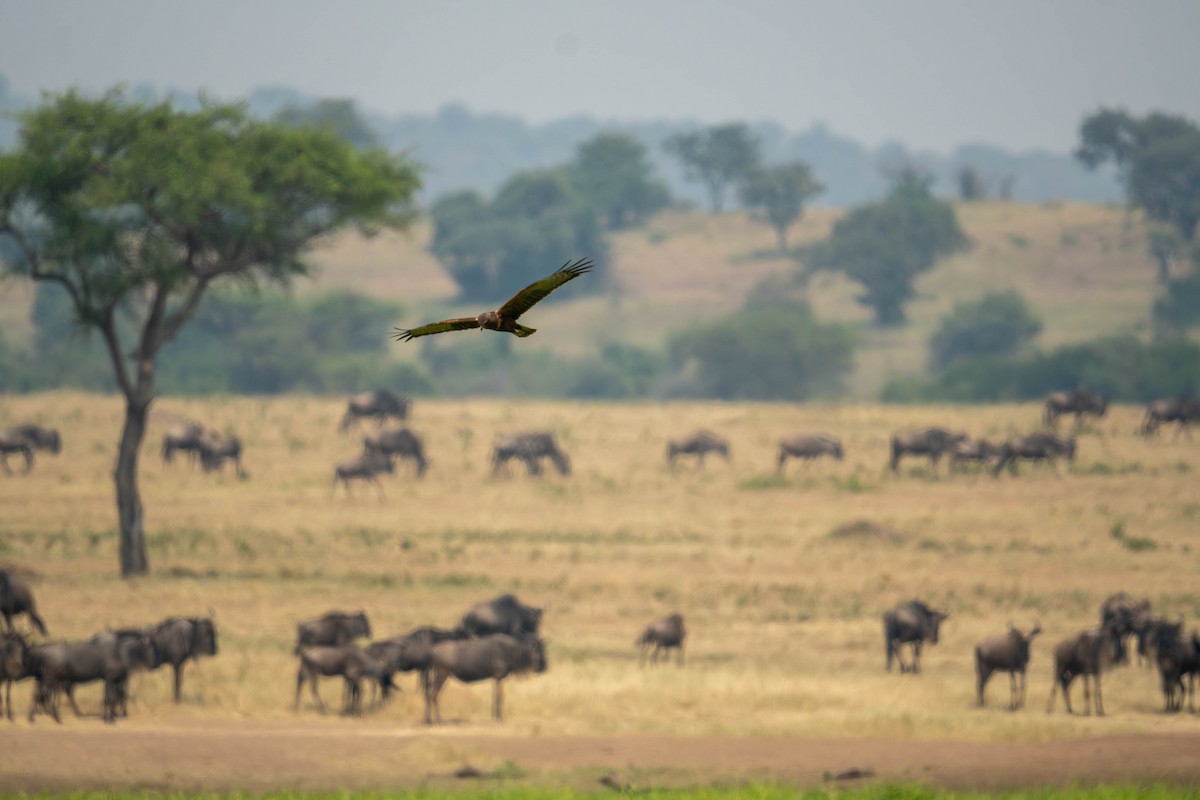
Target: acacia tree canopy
<point x="718" y="157"/>
<point x="135" y="211"/>
<point x="781" y="192"/>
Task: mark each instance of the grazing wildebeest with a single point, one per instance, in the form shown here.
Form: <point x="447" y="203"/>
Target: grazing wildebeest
<point x="17" y="598"/>
<point x="1178" y="656"/>
<point x="1079" y="402"/>
<point x="11" y="442"/>
<point x="63" y="665"/>
<point x="410" y="652"/>
<point x="1126" y="616"/>
<point x="504" y="614"/>
<point x="346" y="661"/>
<point x="1040" y="446"/>
<point x="807" y="448"/>
<point x="1086" y="654"/>
<point x="911" y="623"/>
<point x="977" y="451"/>
<point x="181" y="638"/>
<point x="495" y="657"/>
<point x="932" y="442"/>
<point x="186" y="437"/>
<point x="530" y="447"/>
<point x="397" y="442"/>
<point x="332" y="629"/>
<point x="216" y="449"/>
<point x="1009" y="653"/>
<point x="1181" y="410"/>
<point x="698" y="443"/>
<point x="363" y="468"/>
<point x="662" y="635"/>
<point x="377" y="403"/>
<point x="40" y="438"/>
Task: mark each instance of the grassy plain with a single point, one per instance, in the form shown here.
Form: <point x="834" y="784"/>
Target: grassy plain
<point x="784" y="614"/>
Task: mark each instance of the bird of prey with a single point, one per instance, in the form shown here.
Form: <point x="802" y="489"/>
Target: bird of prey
<point x="505" y="317"/>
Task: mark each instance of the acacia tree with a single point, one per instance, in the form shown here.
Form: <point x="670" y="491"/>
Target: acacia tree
<point x="137" y="211"/>
<point x="781" y="192"/>
<point x="717" y="157"/>
<point x="611" y="172"/>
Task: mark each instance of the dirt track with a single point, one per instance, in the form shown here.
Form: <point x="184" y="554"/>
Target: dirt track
<point x="338" y="755"/>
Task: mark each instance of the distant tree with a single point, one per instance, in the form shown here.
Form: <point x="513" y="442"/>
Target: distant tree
<point x="780" y="192"/>
<point x="1165" y="246"/>
<point x="1157" y="158"/>
<point x="998" y="324"/>
<point x="972" y="185"/>
<point x="136" y="211"/>
<point x="885" y="245"/>
<point x="611" y="172"/>
<point x="332" y="115"/>
<point x="719" y="157"/>
<point x="1179" y="307"/>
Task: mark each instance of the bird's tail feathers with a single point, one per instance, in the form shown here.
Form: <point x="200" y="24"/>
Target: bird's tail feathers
<point x="522" y="331"/>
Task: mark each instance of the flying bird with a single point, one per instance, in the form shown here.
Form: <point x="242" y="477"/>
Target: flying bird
<point x="505" y="317"/>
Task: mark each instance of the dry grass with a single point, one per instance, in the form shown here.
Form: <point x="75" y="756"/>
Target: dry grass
<point x="784" y="616"/>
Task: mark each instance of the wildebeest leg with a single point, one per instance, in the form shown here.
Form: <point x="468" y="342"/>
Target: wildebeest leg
<point x="1099" y="697"/>
<point x="313" y="677"/>
<point x="1013" y="695"/>
<point x="498" y="700"/>
<point x="983" y="673"/>
<point x="70" y="691"/>
<point x="178" y="679"/>
<point x="432" y="689"/>
<point x="300" y="676"/>
<point x="916" y="665"/>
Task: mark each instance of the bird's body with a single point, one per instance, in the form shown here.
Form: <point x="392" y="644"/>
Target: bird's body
<point x="503" y="319"/>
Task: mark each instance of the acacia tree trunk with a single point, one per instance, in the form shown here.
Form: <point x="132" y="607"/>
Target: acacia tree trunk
<point x="129" y="499"/>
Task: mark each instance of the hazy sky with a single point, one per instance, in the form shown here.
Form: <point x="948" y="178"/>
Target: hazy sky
<point x="929" y="73"/>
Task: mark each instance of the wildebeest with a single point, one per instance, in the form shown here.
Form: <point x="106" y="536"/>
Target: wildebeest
<point x="1181" y="410"/>
<point x="1079" y="402"/>
<point x="137" y="651"/>
<point x="332" y="629"/>
<point x="530" y="447"/>
<point x="17" y="598"/>
<point x="699" y="444"/>
<point x="379" y="404"/>
<point x="807" y="448"/>
<point x="346" y="661"/>
<point x="40" y="438"/>
<point x="410" y="652"/>
<point x="663" y="634"/>
<point x="1086" y="655"/>
<point x="495" y="657"/>
<point x="1126" y="616"/>
<point x="1040" y="446"/>
<point x="181" y="638"/>
<point x="11" y="442"/>
<point x="1009" y="653"/>
<point x="186" y="437"/>
<point x="363" y="468"/>
<point x="15" y="665"/>
<point x="978" y="451"/>
<point x="504" y="614"/>
<point x="397" y="442"/>
<point x="932" y="442"/>
<point x="63" y="665"/>
<point x="1177" y="656"/>
<point x="912" y="623"/>
<point x="216" y="449"/>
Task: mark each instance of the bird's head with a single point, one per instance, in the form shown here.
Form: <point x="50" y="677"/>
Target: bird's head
<point x="489" y="320"/>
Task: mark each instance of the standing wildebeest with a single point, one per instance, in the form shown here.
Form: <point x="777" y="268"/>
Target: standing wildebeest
<point x="505" y="614"/>
<point x="1006" y="653"/>
<point x="932" y="442"/>
<point x="40" y="438"/>
<point x="179" y="638"/>
<point x="187" y="437"/>
<point x="216" y="449"/>
<point x="531" y="448"/>
<point x="1040" y="446"/>
<point x="1126" y="616"/>
<point x="911" y="623"/>
<point x="377" y="403"/>
<point x="1178" y="656"/>
<point x="137" y="651"/>
<point x="16" y="664"/>
<point x="662" y="634"/>
<point x="1085" y="654"/>
<point x="346" y="661"/>
<point x="17" y="598"/>
<point x="410" y="653"/>
<point x="699" y="443"/>
<point x="1079" y="402"/>
<point x="807" y="448"/>
<point x="364" y="468"/>
<point x="496" y="657"/>
<point x="62" y="665"/>
<point x="979" y="451"/>
<point x="397" y="442"/>
<point x="1180" y="410"/>
<point x="332" y="629"/>
<point x="11" y="442"/>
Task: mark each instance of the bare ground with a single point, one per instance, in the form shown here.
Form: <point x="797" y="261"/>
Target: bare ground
<point x="337" y="755"/>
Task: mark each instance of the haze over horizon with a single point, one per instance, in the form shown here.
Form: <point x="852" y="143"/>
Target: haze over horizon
<point x="932" y="74"/>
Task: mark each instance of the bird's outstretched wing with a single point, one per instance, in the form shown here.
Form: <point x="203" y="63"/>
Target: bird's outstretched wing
<point x="525" y="299"/>
<point x="460" y="324"/>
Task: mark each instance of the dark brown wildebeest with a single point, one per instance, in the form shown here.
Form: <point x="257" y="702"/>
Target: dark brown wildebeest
<point x="1181" y="410"/>
<point x="11" y="442"/>
<point x="492" y="657"/>
<point x="410" y="652"/>
<point x="332" y="629"/>
<point x="185" y="437"/>
<point x="912" y="623"/>
<point x="1126" y="616"/>
<point x="378" y="404"/>
<point x="40" y="438"/>
<point x="931" y="442"/>
<point x="662" y="635"/>
<point x="137" y="651"/>
<point x="363" y="468"/>
<point x="1177" y="656"/>
<point x="698" y="443"/>
<point x="1009" y="653"/>
<point x="346" y="661"/>
<point x="1079" y="402"/>
<point x="63" y="665"/>
<point x="397" y="442"/>
<point x="179" y="639"/>
<point x="504" y="614"/>
<point x="1086" y="655"/>
<point x="975" y="451"/>
<point x="1040" y="446"/>
<point x="17" y="598"/>
<point x="807" y="448"/>
<point x="216" y="449"/>
<point x="15" y="665"/>
<point x="530" y="447"/>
